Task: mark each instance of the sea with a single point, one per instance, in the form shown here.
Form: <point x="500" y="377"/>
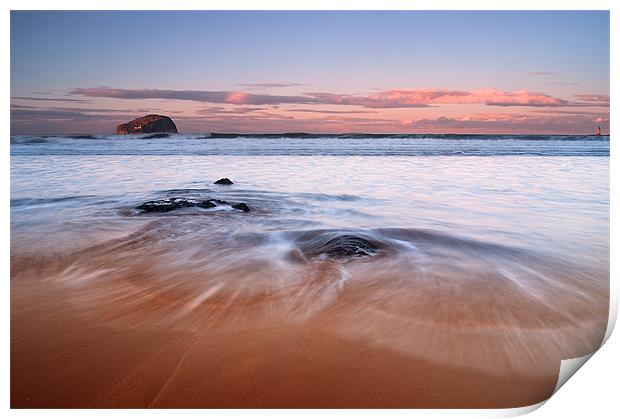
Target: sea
<point x="484" y="251"/>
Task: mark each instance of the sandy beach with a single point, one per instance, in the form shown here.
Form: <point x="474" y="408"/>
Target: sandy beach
<point x="63" y="359"/>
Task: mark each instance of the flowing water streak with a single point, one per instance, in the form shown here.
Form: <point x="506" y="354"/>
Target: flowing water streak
<point x="497" y="261"/>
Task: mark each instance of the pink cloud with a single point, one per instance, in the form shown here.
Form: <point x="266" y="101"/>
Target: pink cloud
<point x="594" y="98"/>
<point x="491" y="97"/>
<point x="511" y="123"/>
<point x="31" y="119"/>
<point x="219" y="110"/>
<point x="237" y="98"/>
<point x="519" y="98"/>
<point x="332" y="111"/>
<point x="396" y="98"/>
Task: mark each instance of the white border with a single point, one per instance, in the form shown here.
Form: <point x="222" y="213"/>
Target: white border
<point x="574" y="400"/>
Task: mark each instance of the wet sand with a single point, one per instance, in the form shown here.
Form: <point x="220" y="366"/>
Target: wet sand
<point x="181" y="314"/>
<point x="62" y="358"/>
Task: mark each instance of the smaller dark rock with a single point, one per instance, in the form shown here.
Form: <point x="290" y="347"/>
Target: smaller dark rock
<point x="223" y="181"/>
<point x="241" y="206"/>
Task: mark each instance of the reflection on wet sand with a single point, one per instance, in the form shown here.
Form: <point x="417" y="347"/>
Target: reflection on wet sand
<point x="204" y="309"/>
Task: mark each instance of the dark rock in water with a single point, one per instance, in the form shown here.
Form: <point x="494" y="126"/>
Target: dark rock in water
<point x="165" y="205"/>
<point x="241" y="206"/>
<point x="169" y="204"/>
<point x="158" y="135"/>
<point x="148" y="124"/>
<point x="344" y="246"/>
<point x="223" y="181"/>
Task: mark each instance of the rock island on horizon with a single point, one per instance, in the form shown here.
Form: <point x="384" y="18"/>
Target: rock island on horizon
<point x="148" y="124"/>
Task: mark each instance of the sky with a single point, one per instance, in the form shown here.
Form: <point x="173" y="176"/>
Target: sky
<point x="542" y="72"/>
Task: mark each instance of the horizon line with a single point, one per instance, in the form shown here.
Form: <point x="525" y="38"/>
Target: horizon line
<point x="302" y="133"/>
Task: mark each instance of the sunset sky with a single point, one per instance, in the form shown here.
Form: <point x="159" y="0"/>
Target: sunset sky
<point x="320" y="72"/>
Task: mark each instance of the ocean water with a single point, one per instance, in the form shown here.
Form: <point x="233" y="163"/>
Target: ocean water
<point x="490" y="252"/>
